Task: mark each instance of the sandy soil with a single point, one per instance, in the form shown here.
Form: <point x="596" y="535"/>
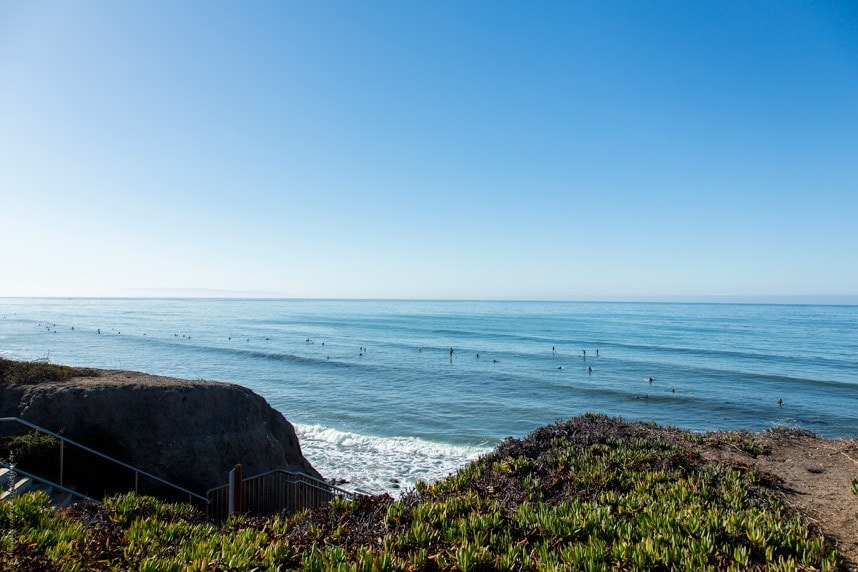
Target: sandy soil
<point x="815" y="476"/>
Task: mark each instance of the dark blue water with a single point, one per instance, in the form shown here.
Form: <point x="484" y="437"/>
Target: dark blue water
<point x="375" y="396"/>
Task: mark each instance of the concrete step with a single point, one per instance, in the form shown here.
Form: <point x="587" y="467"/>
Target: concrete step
<point x="58" y="498"/>
<point x="20" y="486"/>
<point x="61" y="500"/>
<point x="5" y="475"/>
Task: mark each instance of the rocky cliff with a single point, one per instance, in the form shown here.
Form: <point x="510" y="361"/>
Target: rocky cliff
<point x="187" y="432"/>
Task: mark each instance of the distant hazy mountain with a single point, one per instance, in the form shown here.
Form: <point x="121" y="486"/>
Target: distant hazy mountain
<point x="194" y="293"/>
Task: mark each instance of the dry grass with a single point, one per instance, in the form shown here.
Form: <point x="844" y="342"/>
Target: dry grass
<point x="30" y="373"/>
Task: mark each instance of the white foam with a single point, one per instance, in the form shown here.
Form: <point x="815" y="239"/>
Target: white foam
<point x="381" y="464"/>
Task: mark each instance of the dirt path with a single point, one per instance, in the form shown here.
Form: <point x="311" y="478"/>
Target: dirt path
<point x="816" y="476"/>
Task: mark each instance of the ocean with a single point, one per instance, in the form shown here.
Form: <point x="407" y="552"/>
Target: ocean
<point x="379" y="401"/>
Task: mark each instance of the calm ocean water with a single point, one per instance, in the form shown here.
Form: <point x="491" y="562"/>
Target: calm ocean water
<point x="378" y="401"/>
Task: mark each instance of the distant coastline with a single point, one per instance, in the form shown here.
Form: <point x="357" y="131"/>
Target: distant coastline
<point x="219" y="293"/>
<point x="193" y="293"/>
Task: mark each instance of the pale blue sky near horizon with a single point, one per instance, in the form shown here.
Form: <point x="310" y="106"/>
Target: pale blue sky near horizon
<point x="476" y="150"/>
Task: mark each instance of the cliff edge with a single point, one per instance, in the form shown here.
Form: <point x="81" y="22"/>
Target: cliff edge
<point x="191" y="433"/>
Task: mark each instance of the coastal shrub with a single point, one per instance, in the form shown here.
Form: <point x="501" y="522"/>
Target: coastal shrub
<point x="26" y="372"/>
<point x="30" y="444"/>
<point x="33" y="452"/>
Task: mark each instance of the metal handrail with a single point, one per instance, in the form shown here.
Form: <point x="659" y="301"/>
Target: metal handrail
<point x="18" y="471"/>
<point x="136" y="470"/>
<point x="272" y="492"/>
<point x="300" y="477"/>
<point x="310" y="481"/>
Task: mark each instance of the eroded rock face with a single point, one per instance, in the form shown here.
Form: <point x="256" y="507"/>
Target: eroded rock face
<point x="191" y="433"/>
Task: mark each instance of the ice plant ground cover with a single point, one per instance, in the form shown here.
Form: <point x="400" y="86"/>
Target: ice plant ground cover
<point x="592" y="493"/>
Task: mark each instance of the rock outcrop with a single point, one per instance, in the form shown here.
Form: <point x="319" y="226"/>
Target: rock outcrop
<point x="190" y="433"/>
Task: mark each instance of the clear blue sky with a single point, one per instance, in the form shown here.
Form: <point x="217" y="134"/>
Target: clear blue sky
<point x="512" y="150"/>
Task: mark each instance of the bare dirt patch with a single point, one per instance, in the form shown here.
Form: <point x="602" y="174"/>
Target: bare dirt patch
<point x="814" y="476"/>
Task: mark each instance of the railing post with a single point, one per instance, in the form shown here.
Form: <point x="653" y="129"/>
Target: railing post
<point x="234" y="505"/>
<point x="62" y="454"/>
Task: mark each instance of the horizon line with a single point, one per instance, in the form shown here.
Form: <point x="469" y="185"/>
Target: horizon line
<point x="220" y="294"/>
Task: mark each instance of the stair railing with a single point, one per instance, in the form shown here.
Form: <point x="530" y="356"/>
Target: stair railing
<point x="275" y="491"/>
<point x="41" y="480"/>
<point x="264" y="494"/>
<point x="176" y="490"/>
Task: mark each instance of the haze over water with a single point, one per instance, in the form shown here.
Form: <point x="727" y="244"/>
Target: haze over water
<point x="378" y="401"/>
